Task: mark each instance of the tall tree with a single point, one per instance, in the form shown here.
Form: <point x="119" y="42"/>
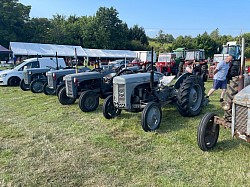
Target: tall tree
<point x="13" y="16"/>
<point x="138" y="33"/>
<point x="109" y="29"/>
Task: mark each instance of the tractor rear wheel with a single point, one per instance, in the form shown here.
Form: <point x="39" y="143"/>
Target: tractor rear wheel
<point x="64" y="99"/>
<point x="88" y="101"/>
<point x="47" y="90"/>
<point x="36" y="86"/>
<point x="208" y="132"/>
<point x="151" y="117"/>
<point x="23" y="86"/>
<point x="190" y="96"/>
<point x="232" y="90"/>
<point x="108" y="108"/>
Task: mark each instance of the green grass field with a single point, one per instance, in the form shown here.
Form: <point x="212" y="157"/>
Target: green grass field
<point x="43" y="143"/>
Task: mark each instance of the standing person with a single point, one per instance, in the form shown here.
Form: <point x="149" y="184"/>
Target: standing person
<point x="220" y="77"/>
<point x="85" y="62"/>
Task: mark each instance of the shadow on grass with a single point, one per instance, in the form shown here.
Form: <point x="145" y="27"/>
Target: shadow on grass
<point x="226" y="145"/>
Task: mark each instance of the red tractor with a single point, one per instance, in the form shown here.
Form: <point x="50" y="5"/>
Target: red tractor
<point x="196" y="57"/>
<point x="166" y="64"/>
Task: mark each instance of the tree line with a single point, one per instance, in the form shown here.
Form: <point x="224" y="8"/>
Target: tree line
<point x="104" y="30"/>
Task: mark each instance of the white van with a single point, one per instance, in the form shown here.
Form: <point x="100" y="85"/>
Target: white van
<point x="13" y="77"/>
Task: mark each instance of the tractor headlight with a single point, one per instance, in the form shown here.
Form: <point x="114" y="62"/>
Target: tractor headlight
<point x="121" y="92"/>
<point x="226" y="105"/>
<point x="30" y="72"/>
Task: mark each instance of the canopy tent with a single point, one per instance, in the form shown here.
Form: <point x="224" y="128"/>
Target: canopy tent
<point x="28" y="49"/>
<point x="3" y="50"/>
<point x="20" y="48"/>
<point x="110" y="53"/>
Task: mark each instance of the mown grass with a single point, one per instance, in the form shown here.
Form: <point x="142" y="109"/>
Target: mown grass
<point x="43" y="143"/>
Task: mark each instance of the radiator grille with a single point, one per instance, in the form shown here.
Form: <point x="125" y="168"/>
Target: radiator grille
<point x="241" y="116"/>
<point x="50" y="81"/>
<point x="69" y="88"/>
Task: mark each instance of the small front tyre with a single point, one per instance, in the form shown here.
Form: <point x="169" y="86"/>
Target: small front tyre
<point x="64" y="99"/>
<point x="208" y="132"/>
<point x="108" y="109"/>
<point x="88" y="101"/>
<point x="47" y="90"/>
<point x="36" y="86"/>
<point x="23" y="86"/>
<point x="151" y="117"/>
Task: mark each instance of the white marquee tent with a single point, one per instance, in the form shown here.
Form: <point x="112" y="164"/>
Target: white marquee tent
<point x="28" y="49"/>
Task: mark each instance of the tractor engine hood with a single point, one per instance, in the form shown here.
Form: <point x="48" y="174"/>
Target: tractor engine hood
<point x="83" y="76"/>
<point x="243" y="97"/>
<point x="138" y="78"/>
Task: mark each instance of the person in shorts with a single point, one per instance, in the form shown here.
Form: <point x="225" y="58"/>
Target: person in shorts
<point x="220" y="77"/>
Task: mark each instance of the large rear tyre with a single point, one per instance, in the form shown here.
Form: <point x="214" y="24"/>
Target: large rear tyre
<point x="190" y="96"/>
<point x="232" y="90"/>
<point x="36" y="86"/>
<point x="108" y="109"/>
<point x="23" y="86"/>
<point x="64" y="99"/>
<point x="88" y="101"/>
<point x="47" y="90"/>
<point x="208" y="132"/>
<point x="151" y="117"/>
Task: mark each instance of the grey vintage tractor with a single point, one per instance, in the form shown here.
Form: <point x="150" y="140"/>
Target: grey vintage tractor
<point x="88" y="87"/>
<point x="236" y="112"/>
<point x="148" y="92"/>
<point x="34" y="79"/>
<point x="55" y="79"/>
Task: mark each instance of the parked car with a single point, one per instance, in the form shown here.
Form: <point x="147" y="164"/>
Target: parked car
<point x="13" y="77"/>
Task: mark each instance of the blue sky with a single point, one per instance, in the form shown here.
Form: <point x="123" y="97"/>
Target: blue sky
<point x="176" y="17"/>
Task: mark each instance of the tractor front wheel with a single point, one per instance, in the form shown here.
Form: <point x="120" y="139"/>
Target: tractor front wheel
<point x="108" y="108"/>
<point x="88" y="101"/>
<point x="36" y="86"/>
<point x="47" y="90"/>
<point x="151" y="117"/>
<point x="64" y="99"/>
<point x="208" y="132"/>
<point x="23" y="86"/>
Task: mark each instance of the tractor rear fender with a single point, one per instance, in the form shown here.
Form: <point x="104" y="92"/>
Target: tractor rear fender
<point x="180" y="80"/>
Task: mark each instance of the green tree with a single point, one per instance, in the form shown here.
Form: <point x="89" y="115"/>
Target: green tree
<point x="138" y="33"/>
<point x="37" y="30"/>
<point x="57" y="31"/>
<point x="13" y="16"/>
<point x="215" y="35"/>
<point x="109" y="29"/>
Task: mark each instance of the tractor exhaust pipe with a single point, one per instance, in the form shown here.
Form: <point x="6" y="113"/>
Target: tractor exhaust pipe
<point x="152" y="71"/>
<point x="57" y="66"/>
<point x="242" y="65"/>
